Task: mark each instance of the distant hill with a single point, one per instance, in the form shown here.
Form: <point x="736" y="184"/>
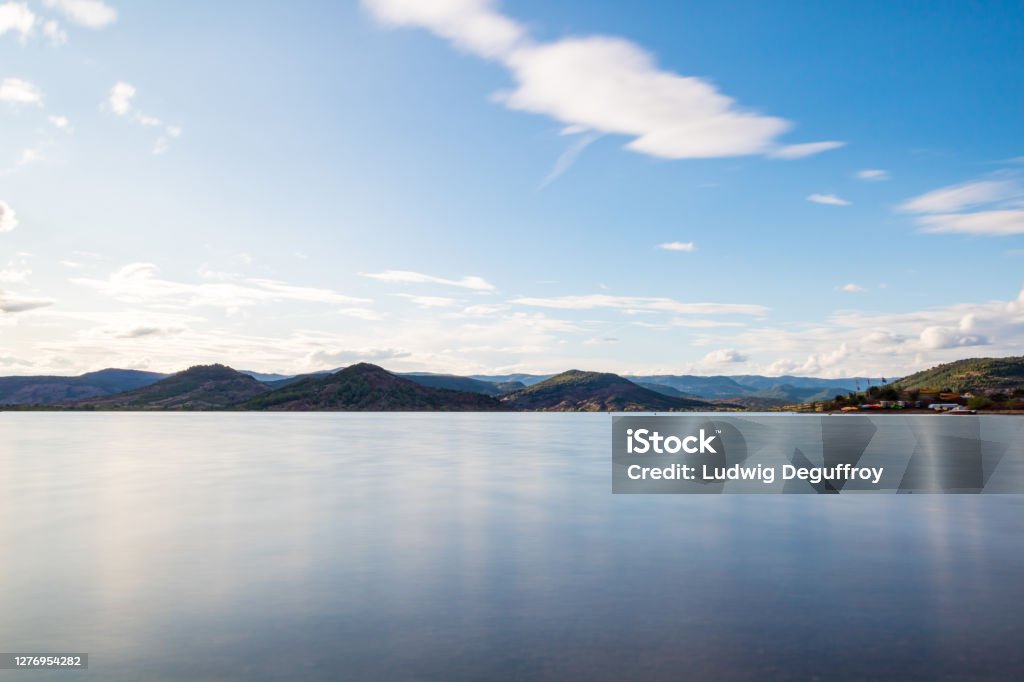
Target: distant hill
<point x="267" y="377"/>
<point x="666" y="390"/>
<point x="203" y="387"/>
<point x="787" y="389"/>
<point x="366" y="387"/>
<point x="52" y="390"/>
<point x="705" y="387"/>
<point x="978" y="374"/>
<point x="524" y="379"/>
<point x="595" y="392"/>
<point x="457" y="383"/>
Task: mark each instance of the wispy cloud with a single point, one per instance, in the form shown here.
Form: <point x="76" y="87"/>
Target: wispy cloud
<point x="631" y="303"/>
<point x="828" y="200"/>
<point x="604" y="84"/>
<point x="801" y="151"/>
<point x="430" y="301"/>
<point x="873" y="174"/>
<point x="121" y="102"/>
<point x="963" y="196"/>
<point x="141" y="283"/>
<point x="569" y="156"/>
<point x="406" y="276"/>
<point x="678" y="246"/>
<point x="993" y="207"/>
<point x="852" y="288"/>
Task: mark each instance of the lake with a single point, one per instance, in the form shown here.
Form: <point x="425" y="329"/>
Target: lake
<point x="471" y="547"/>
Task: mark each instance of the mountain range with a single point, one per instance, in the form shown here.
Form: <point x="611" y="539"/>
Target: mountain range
<point x="221" y="387"/>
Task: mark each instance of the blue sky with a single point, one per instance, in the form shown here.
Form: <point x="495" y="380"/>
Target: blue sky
<point x="469" y="186"/>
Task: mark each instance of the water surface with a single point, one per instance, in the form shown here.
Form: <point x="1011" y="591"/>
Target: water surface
<point x="471" y="547"/>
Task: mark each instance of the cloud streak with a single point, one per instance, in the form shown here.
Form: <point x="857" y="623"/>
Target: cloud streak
<point x="640" y="303"/>
<point x="992" y="207"/>
<point x="141" y="283"/>
<point x="828" y="200"/>
<point x="408" y="277"/>
<point x="686" y="247"/>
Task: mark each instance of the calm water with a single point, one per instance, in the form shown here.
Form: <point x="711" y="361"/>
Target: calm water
<point x="471" y="547"/>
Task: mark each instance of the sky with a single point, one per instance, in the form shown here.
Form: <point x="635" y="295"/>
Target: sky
<point x="472" y="186"/>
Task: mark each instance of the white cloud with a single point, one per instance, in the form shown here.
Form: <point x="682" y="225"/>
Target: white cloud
<point x="828" y="199"/>
<point x="678" y="246"/>
<point x="800" y="151"/>
<point x="600" y="341"/>
<point x="472" y="25"/>
<point x="985" y="207"/>
<point x="18" y="91"/>
<point x="935" y="338"/>
<point x="851" y="343"/>
<point x="60" y="122"/>
<point x="996" y="223"/>
<point x="959" y="197"/>
<point x="852" y="288"/>
<point x="18" y="18"/>
<point x="406" y="276"/>
<point x="141" y="283"/>
<point x="361" y="313"/>
<point x="634" y="303"/>
<point x="121" y="102"/>
<point x="88" y="13"/>
<point x="602" y="84"/>
<point x="724" y="356"/>
<point x="121" y="96"/>
<point x="430" y="301"/>
<point x="54" y="33"/>
<point x="873" y="174"/>
<point x="484" y="309"/>
<point x="8" y="218"/>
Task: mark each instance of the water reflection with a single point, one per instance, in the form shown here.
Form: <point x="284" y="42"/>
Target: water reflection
<point x="240" y="546"/>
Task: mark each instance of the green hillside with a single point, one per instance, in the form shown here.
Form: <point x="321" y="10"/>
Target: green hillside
<point x="203" y="387"/>
<point x="457" y="383"/>
<point x="974" y="374"/>
<point x="366" y="387"/>
<point x="595" y="392"/>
